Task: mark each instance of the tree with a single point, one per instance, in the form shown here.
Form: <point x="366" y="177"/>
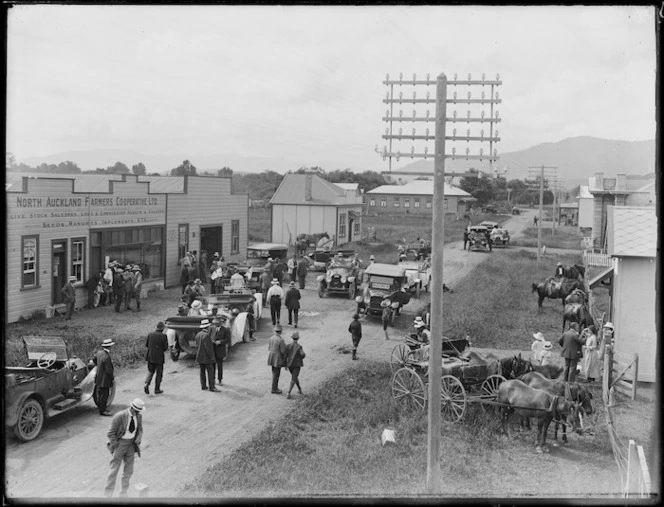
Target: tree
<point x="225" y="172"/>
<point x="118" y="168"/>
<point x="480" y="187"/>
<point x="186" y="168"/>
<point x="138" y="169"/>
<point x="10" y="160"/>
<point x="68" y="168"/>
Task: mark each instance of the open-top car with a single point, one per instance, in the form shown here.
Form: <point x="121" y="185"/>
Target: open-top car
<point x="259" y="253"/>
<point x="53" y="382"/>
<point x="418" y="275"/>
<point x="343" y="276"/>
<point x="321" y="258"/>
<point x="385" y="284"/>
<point x="477" y="237"/>
<point x="500" y="237"/>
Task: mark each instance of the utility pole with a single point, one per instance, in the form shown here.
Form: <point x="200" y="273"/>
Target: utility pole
<point x="551" y="170"/>
<point x="437" y="243"/>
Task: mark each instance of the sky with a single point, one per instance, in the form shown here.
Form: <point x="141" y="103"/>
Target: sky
<point x="306" y="83"/>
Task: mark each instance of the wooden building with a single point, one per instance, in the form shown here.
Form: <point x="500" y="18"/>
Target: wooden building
<point x="308" y="204"/>
<point x="73" y="225"/>
<point x="415" y="197"/>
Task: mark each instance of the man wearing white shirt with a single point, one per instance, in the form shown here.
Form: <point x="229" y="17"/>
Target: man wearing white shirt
<point x="124" y="439"/>
<point x="237" y="280"/>
<point x="274" y="297"/>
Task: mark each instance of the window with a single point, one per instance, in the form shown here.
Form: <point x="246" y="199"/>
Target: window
<point x="78" y="259"/>
<point x="428" y="203"/>
<point x="342" y="225"/>
<point x="183" y="239"/>
<point x="406" y="202"/>
<point x="372" y="201"/>
<point x="397" y="202"/>
<point x="235" y="236"/>
<point x="30" y="261"/>
<point x="383" y="202"/>
<point x="416" y="202"/>
<point x="356" y="226"/>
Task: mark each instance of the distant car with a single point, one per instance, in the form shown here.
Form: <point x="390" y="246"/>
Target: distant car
<point x="490" y="225"/>
<point x="477" y="238"/>
<point x="516" y="211"/>
<point x="489" y="209"/>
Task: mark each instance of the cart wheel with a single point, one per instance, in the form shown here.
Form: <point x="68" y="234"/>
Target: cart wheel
<point x="399" y="357"/>
<point x="30" y="420"/>
<point x="408" y="390"/>
<point x="452" y="398"/>
<point x="175" y="353"/>
<point x="321" y="290"/>
<point x="351" y="290"/>
<point x="489" y="389"/>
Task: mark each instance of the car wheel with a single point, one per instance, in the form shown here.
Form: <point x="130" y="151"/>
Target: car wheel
<point x="30" y="420"/>
<point x="175" y="353"/>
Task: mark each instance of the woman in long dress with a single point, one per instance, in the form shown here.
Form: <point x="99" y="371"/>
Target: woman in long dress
<point x="590" y="356"/>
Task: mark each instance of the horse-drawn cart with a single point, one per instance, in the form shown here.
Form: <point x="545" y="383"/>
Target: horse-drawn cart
<point x="466" y="377"/>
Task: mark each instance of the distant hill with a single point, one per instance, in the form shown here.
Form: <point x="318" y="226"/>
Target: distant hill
<point x="577" y="158"/>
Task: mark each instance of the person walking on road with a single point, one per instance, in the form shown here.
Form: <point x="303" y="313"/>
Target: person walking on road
<point x="274" y="297"/>
<point x="105" y="375"/>
<point x="157" y="345"/>
<point x="294" y="356"/>
<point x="293" y="303"/>
<point x="276" y="357"/>
<point x="124" y="440"/>
<point x="221" y="338"/>
<point x="355" y="330"/>
<point x="292" y="268"/>
<point x="205" y="356"/>
<point x="265" y="281"/>
<point x="302" y="271"/>
<point x="466" y="234"/>
<point x="69" y="293"/>
<point x="571" y="343"/>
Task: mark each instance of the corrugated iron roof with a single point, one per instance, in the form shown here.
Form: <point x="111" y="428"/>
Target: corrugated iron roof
<point x="348" y="186"/>
<point x="632" y="232"/>
<point x="164" y="184"/>
<point x="417" y="187"/>
<point x="291" y="191"/>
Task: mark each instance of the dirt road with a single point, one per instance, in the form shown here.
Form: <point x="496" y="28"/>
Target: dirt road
<point x="187" y="429"/>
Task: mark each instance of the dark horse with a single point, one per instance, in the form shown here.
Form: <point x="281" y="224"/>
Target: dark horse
<point x="303" y="241"/>
<point x="571" y="391"/>
<point x="515" y="366"/>
<point x="576" y="312"/>
<point x="553" y="289"/>
<point x="516" y="397"/>
<point x="574" y="272"/>
<point x="577" y="296"/>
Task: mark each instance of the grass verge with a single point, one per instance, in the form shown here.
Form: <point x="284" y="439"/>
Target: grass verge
<point x="565" y="237"/>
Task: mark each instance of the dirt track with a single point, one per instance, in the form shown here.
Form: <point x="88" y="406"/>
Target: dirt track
<point x="187" y="429"/>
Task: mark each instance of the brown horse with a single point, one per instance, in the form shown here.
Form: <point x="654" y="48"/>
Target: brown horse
<point x="577" y="296"/>
<point x="516" y="397"/>
<point x="554" y="289"/>
<point x="574" y="272"/>
<point x="579" y="313"/>
<point x="571" y="391"/>
<point x="548" y="370"/>
<point x="304" y="241"/>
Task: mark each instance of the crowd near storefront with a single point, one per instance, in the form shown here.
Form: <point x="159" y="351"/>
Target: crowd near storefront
<point x="71" y="227"/>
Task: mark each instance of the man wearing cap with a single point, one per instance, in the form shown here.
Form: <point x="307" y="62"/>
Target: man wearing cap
<point x="293" y="303"/>
<point x="105" y="375"/>
<point x="302" y="269"/>
<point x="276" y="357"/>
<point x="124" y="440"/>
<point x="205" y="356"/>
<point x="274" y="296"/>
<point x="606" y="339"/>
<point x="294" y="356"/>
<point x="355" y="330"/>
<point x="221" y="338"/>
<point x="157" y="345"/>
<point x="571" y="343"/>
<point x="69" y="293"/>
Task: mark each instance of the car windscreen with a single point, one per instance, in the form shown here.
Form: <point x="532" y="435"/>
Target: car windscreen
<point x="381" y="282"/>
<point x="338" y="271"/>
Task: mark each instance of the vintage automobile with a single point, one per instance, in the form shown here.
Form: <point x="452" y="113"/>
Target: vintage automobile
<point x="53" y="382"/>
<point x="489" y="209"/>
<point x="477" y="238"/>
<point x="251" y="275"/>
<point x="516" y="211"/>
<point x="321" y="258"/>
<point x="500" y="237"/>
<point x="489" y="225"/>
<point x="259" y="253"/>
<point x="384" y="282"/>
<point x="418" y="274"/>
<point x="343" y="276"/>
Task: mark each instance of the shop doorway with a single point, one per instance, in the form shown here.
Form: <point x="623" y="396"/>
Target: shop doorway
<point x="351" y="224"/>
<point x="58" y="269"/>
<point x="211" y="241"/>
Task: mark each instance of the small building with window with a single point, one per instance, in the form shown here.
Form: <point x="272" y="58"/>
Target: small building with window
<point x="308" y="204"/>
<point x="74" y="224"/>
<point x="415" y="197"/>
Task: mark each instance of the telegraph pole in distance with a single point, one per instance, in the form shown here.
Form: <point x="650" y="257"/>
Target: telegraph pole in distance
<point x="541" y="205"/>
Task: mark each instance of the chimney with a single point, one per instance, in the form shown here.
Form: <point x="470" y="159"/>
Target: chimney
<point x="599" y="181"/>
<point x="307" y="187"/>
<point x="621" y="182"/>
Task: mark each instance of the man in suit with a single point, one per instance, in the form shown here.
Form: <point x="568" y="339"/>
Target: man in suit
<point x="293" y="303"/>
<point x="276" y="357"/>
<point x="91" y="285"/>
<point x="157" y="344"/>
<point x="124" y="440"/>
<point x="221" y="337"/>
<point x="571" y="344"/>
<point x="137" y="286"/>
<point x="69" y="293"/>
<point x="118" y="287"/>
<point x="205" y="356"/>
<point x="302" y="271"/>
<point x="105" y="375"/>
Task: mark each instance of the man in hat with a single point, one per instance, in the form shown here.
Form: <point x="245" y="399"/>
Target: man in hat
<point x="292" y="266"/>
<point x="69" y="293"/>
<point x="293" y="303"/>
<point x="92" y="284"/>
<point x="124" y="440"/>
<point x="118" y="286"/>
<point x="214" y="272"/>
<point x="205" y="356"/>
<point x="251" y="320"/>
<point x="265" y="280"/>
<point x="385" y="316"/>
<point x="108" y="279"/>
<point x="157" y="345"/>
<point x="302" y="270"/>
<point x="559" y="270"/>
<point x="571" y="343"/>
<point x="372" y="259"/>
<point x="355" y="330"/>
<point x="105" y="375"/>
<point x="221" y="338"/>
<point x="422" y="334"/>
<point x="198" y="289"/>
<point x="294" y="356"/>
<point x="274" y="297"/>
<point x="606" y="338"/>
<point x="276" y="357"/>
<point x="137" y="286"/>
<point x="128" y="280"/>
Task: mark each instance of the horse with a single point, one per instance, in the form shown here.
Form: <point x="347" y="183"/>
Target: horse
<point x="574" y="272"/>
<point x="514" y="396"/>
<point x="577" y="296"/>
<point x="571" y="391"/>
<point x="552" y="289"/>
<point x="548" y="370"/>
<point x="514" y="367"/>
<point x="579" y="313"/>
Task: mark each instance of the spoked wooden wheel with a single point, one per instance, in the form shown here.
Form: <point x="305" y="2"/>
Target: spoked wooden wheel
<point x="399" y="357"/>
<point x="489" y="389"/>
<point x="452" y="398"/>
<point x="408" y="390"/>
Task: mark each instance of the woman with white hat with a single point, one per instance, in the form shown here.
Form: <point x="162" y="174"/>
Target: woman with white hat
<point x="536" y="348"/>
<point x="422" y="334"/>
<point x="545" y="354"/>
<point x="590" y="357"/>
<point x="197" y="309"/>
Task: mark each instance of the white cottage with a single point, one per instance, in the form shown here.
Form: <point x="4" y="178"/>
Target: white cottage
<point x="308" y="204"/>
